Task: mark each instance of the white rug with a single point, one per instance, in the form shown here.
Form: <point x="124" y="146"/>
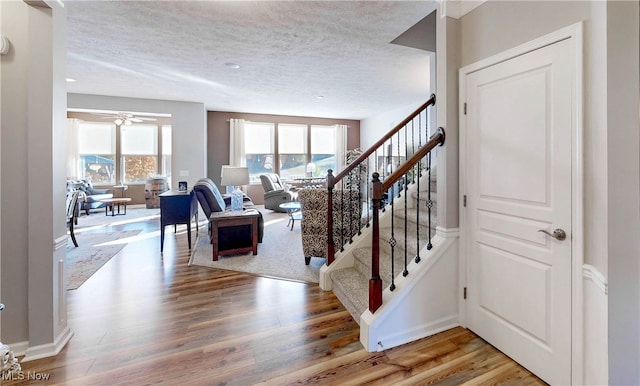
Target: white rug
<point x="135" y="213"/>
<point x="93" y="251"/>
<point x="279" y="254"/>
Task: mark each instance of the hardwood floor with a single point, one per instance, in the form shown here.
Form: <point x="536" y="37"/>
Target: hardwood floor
<point x="147" y="318"/>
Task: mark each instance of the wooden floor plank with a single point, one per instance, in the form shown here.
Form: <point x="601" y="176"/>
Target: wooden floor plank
<point x="148" y="318"/>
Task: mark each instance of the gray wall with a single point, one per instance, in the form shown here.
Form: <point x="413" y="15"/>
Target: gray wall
<point x="31" y="201"/>
<point x="218" y="140"/>
<point x="188" y="122"/>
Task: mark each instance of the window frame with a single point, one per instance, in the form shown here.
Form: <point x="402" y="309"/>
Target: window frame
<point x="276" y="147"/>
<point x="163" y="161"/>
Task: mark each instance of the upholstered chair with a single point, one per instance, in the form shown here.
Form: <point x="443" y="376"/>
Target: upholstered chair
<point x="211" y="201"/>
<point x="72" y="213"/>
<point x="92" y="197"/>
<point x="275" y="192"/>
<point x="347" y="211"/>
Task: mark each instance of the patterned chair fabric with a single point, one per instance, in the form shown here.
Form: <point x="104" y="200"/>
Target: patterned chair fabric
<point x="347" y="211"/>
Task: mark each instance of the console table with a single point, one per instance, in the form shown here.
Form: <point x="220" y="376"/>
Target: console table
<point x="177" y="208"/>
<point x="230" y="218"/>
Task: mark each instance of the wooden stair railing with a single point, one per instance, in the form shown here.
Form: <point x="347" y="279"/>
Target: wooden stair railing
<point x="383" y="156"/>
<point x="413" y="165"/>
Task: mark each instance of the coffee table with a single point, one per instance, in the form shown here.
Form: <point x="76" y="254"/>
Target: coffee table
<point x="293" y="210"/>
<point x="110" y="202"/>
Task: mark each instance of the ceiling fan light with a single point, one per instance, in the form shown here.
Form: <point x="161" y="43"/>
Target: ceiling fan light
<point x="127" y="122"/>
<point x="118" y="121"/>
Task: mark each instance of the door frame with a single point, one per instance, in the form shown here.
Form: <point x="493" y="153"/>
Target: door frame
<point x="575" y="32"/>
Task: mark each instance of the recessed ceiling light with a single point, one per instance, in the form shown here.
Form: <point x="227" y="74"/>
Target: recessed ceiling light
<point x="234" y="66"/>
<point x="320" y="97"/>
<point x="70" y="80"/>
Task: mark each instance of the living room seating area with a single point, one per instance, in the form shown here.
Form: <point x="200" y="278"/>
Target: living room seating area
<point x="89" y="197"/>
<point x="347" y="211"/>
<point x="212" y="201"/>
<point x="276" y="192"/>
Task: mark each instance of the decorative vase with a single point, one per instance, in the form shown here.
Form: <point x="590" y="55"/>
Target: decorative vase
<point x="236" y="200"/>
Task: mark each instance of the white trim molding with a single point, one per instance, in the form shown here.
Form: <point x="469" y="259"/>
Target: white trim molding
<point x="60" y="242"/>
<point x="50" y="349"/>
<point x="448" y="233"/>
<point x="458" y="8"/>
<point x="589" y="272"/>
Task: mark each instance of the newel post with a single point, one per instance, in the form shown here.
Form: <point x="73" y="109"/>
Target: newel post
<point x="375" y="283"/>
<point x="331" y="248"/>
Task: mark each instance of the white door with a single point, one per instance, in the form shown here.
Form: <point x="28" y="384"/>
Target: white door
<point x="518" y="153"/>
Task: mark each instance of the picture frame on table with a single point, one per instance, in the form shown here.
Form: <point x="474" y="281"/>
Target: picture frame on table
<point x="182" y="186"/>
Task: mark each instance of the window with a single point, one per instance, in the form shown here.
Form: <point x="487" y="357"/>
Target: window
<point x="96" y="152"/>
<point x="301" y="150"/>
<point x="259" y="151"/>
<point x="323" y="150"/>
<point x="108" y="154"/>
<point x="292" y="150"/>
<point x="139" y="147"/>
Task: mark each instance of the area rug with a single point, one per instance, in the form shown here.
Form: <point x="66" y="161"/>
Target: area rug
<point x="279" y="254"/>
<point x="94" y="250"/>
<point x="97" y="219"/>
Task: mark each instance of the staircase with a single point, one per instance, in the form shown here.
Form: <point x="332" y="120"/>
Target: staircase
<point x="351" y="285"/>
<point x="399" y="286"/>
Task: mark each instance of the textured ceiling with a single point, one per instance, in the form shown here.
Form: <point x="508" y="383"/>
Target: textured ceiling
<point x="289" y="52"/>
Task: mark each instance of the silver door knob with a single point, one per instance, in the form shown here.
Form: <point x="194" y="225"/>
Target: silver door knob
<point x="557" y="234"/>
<point x="1" y="306"/>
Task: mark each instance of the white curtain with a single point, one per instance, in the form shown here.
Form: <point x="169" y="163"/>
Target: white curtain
<point x="72" y="160"/>
<point x="341" y="147"/>
<point x="236" y="143"/>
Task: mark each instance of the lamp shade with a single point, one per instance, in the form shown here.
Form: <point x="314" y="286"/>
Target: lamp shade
<point x="234" y="176"/>
<point x="311" y="167"/>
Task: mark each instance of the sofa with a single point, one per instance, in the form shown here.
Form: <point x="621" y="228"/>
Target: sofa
<point x="347" y="213"/>
<point x="275" y="192"/>
<point x="211" y="200"/>
<point x="89" y="197"/>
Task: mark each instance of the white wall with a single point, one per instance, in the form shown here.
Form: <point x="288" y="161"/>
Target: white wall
<point x="188" y="122"/>
<point x="373" y="128"/>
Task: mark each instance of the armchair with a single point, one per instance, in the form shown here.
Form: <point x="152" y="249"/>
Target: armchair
<point x="72" y="213"/>
<point x="275" y="192"/>
<point x="90" y="197"/>
<point x="211" y="201"/>
<point x="347" y="211"/>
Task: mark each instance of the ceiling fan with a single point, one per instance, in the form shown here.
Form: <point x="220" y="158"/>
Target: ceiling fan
<point x="126" y="119"/>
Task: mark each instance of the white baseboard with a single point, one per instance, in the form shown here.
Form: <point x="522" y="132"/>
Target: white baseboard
<point x="596" y="327"/>
<point x="447" y="233"/>
<point x="19" y="348"/>
<point x="49" y="349"/>
<point x="589" y="272"/>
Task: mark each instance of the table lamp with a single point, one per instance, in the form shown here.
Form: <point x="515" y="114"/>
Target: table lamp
<point x="235" y="177"/>
<point x="311" y="168"/>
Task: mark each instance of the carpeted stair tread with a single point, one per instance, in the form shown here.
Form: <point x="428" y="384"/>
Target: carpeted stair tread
<point x="421" y="202"/>
<point x="423" y="219"/>
<point x="352" y="289"/>
<point x="362" y="263"/>
<point x="351" y="285"/>
<point x="411" y="240"/>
